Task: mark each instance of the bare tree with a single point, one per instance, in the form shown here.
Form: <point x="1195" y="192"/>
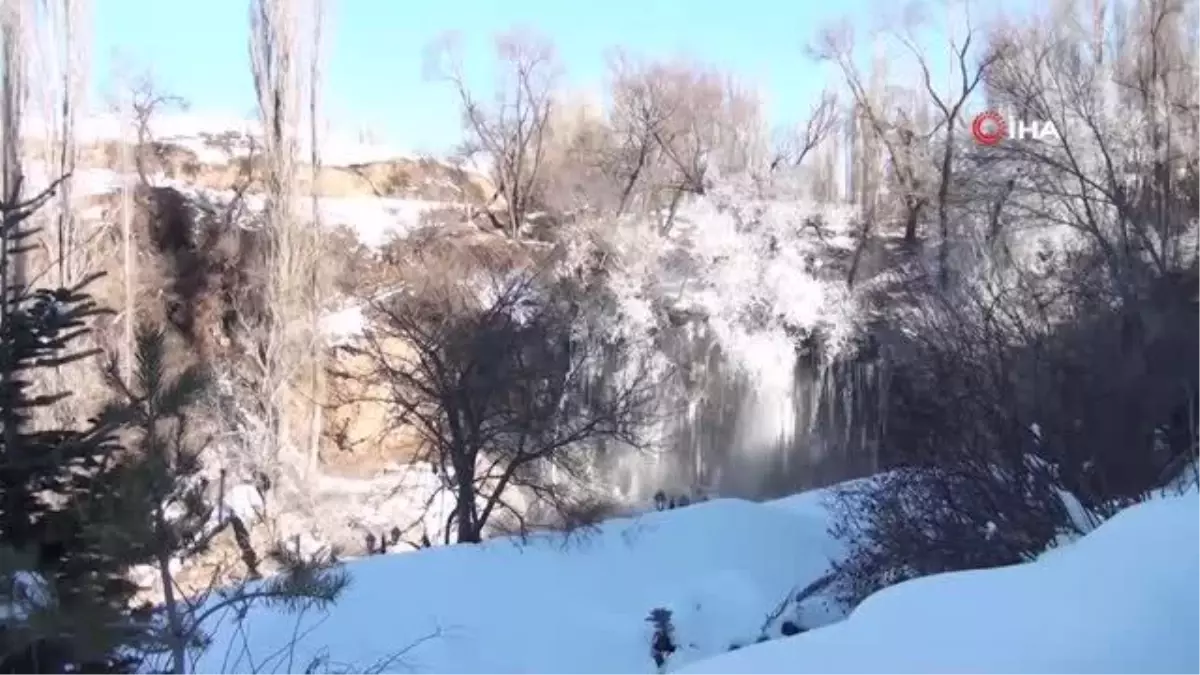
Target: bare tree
<point x="513" y="130"/>
<point x="577" y="161"/>
<point x="675" y="123"/>
<point x="899" y="139"/>
<point x="59" y="63"/>
<point x="146" y="101"/>
<point x="13" y="16"/>
<point x="138" y="103"/>
<point x="127" y="266"/>
<point x="950" y="106"/>
<point x="317" y="284"/>
<point x="1126" y="139"/>
<point x="638" y="118"/>
<point x="822" y="121"/>
<point x="499" y="389"/>
<point x="283" y="335"/>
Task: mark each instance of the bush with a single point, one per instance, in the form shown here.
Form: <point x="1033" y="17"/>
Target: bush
<point x="912" y="522"/>
<point x="1002" y="413"/>
<point x="662" y="643"/>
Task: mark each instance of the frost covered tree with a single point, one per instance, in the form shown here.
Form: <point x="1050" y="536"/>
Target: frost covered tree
<point x="878" y="129"/>
<point x="1053" y="381"/>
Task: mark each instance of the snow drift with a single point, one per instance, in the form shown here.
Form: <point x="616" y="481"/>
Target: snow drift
<point x="1121" y="599"/>
<point x="551" y="605"/>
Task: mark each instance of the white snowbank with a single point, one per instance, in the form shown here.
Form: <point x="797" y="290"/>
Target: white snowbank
<point x="1121" y="599"/>
<point x="245" y="502"/>
<point x="375" y="220"/>
<point x="407" y="496"/>
<point x="344" y="324"/>
<point x="84" y="182"/>
<point x="552" y="606"/>
<point x="339" y="147"/>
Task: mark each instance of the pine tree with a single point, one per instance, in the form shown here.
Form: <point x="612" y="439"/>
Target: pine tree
<point x="160" y="478"/>
<point x="51" y="499"/>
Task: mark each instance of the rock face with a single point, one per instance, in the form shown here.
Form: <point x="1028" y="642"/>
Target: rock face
<point x="363" y="436"/>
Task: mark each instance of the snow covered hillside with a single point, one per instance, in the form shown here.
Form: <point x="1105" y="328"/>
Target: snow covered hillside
<point x="377" y="190"/>
<point x="555" y="605"/>
<point x="1122" y="599"/>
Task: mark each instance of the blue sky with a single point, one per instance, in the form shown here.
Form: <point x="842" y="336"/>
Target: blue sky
<point x="198" y="49"/>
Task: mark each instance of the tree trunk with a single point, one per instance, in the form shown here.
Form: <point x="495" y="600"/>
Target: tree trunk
<point x="943" y="206"/>
<point x="911" y="221"/>
<point x="127" y="248"/>
<point x="468" y="531"/>
<point x="178" y="641"/>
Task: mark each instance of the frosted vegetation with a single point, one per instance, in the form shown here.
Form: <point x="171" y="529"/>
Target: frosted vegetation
<point x="880" y="363"/>
<point x="719" y="303"/>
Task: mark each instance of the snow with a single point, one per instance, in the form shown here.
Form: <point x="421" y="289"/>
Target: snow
<point x="349" y="322"/>
<point x="23" y="591"/>
<point x="375" y="220"/>
<point x="407" y="496"/>
<point x="344" y="324"/>
<point x="188" y="129"/>
<point x="1121" y="599"/>
<point x="554" y="604"/>
<point x="245" y="502"/>
<point x="1186" y="480"/>
<point x="84" y="182"/>
<point x="95" y="181"/>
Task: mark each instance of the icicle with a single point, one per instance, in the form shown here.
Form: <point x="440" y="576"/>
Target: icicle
<point x="848" y="389"/>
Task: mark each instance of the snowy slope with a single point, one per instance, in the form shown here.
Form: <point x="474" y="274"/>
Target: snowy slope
<point x="550" y="606"/>
<point x="375" y="220"/>
<point x="339" y="147"/>
<point x="1122" y="599"/>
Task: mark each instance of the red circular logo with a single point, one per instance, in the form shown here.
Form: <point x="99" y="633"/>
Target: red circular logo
<point x="989" y="128"/>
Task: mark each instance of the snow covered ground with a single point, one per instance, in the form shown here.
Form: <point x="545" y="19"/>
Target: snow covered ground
<point x="553" y="605"/>
<point x="1122" y="599"/>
